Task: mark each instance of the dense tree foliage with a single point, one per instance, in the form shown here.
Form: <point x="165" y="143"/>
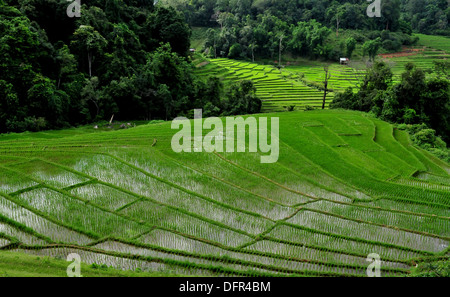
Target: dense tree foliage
<point x="425" y="16"/>
<point x="125" y="58"/>
<point x="264" y="28"/>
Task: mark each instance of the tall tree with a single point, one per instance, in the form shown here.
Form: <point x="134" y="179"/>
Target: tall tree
<point x="326" y="68"/>
<point x="88" y="42"/>
<point x="350" y="45"/>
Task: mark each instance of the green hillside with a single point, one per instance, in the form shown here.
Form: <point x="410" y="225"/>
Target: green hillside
<point x="441" y="43"/>
<point x="276" y="88"/>
<point x="429" y="49"/>
<point x="345" y="185"/>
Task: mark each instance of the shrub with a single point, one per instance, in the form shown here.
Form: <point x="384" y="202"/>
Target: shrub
<point x="425" y="138"/>
<point x="433" y="269"/>
<point x="235" y="51"/>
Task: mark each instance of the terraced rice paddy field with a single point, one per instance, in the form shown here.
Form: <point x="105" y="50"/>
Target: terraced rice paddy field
<point x="301" y="85"/>
<point x="341" y="78"/>
<point x="278" y="89"/>
<point x="345" y="185"/>
<point x="429" y="49"/>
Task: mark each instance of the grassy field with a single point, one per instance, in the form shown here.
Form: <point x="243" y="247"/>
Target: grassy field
<point x="198" y="37"/>
<point x="345" y="185"/>
<point x="429" y="49"/>
<point x="14" y="264"/>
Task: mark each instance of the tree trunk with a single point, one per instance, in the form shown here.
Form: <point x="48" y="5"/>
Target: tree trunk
<point x="90" y="64"/>
<point x="337" y="26"/>
<point x="325" y="95"/>
<point x="326" y="86"/>
<point x="279" y="57"/>
<point x="96" y="105"/>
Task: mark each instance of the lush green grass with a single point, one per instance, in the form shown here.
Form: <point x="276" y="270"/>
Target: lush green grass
<point x="441" y="43"/>
<point x="345" y="185"/>
<point x="431" y="48"/>
<point x="14" y="264"/>
<point x="432" y="269"/>
<point x="198" y="37"/>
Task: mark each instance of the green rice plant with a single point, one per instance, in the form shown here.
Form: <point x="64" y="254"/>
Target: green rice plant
<point x="303" y="252"/>
<point x="335" y="195"/>
<point x="50" y="174"/>
<point x="433" y="178"/>
<point x="79" y="214"/>
<point x="107" y="169"/>
<point x="405" y="206"/>
<point x="266" y="78"/>
<point x="284" y="179"/>
<point x="4" y="242"/>
<point x="21" y="235"/>
<point x="104" y="196"/>
<point x="39" y="224"/>
<point x="307" y="144"/>
<point x="385" y="137"/>
<point x="114" y="261"/>
<point x="304" y="168"/>
<point x="206" y="185"/>
<point x="366" y="162"/>
<point x="338" y="242"/>
<point x="392" y="162"/>
<point x="220" y="169"/>
<point x="174" y="241"/>
<point x="241" y="260"/>
<point x="415" y="182"/>
<point x="403" y="138"/>
<point x="428" y="224"/>
<point x="437" y="42"/>
<point x="11" y="181"/>
<point x="146" y="252"/>
<point x="158" y="215"/>
<point x="332" y="224"/>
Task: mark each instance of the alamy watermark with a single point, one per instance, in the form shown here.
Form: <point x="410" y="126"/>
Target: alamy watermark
<point x="218" y="140"/>
<point x="374" y="9"/>
<point x="74" y="8"/>
<point x="74" y="268"/>
<point x="373" y="270"/>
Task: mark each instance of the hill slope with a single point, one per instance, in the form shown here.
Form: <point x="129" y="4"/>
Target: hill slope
<point x="345" y="185"/>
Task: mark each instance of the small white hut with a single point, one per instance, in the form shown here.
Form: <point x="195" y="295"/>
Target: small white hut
<point x="344" y="61"/>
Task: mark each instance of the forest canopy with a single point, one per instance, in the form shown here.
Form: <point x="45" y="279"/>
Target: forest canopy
<point x="261" y="27"/>
<point x="124" y="58"/>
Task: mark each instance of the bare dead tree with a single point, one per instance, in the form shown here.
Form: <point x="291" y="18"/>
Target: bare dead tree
<point x="338" y="21"/>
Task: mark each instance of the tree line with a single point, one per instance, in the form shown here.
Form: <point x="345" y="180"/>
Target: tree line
<point x="121" y="57"/>
<point x="262" y="29"/>
<point x="423" y="16"/>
